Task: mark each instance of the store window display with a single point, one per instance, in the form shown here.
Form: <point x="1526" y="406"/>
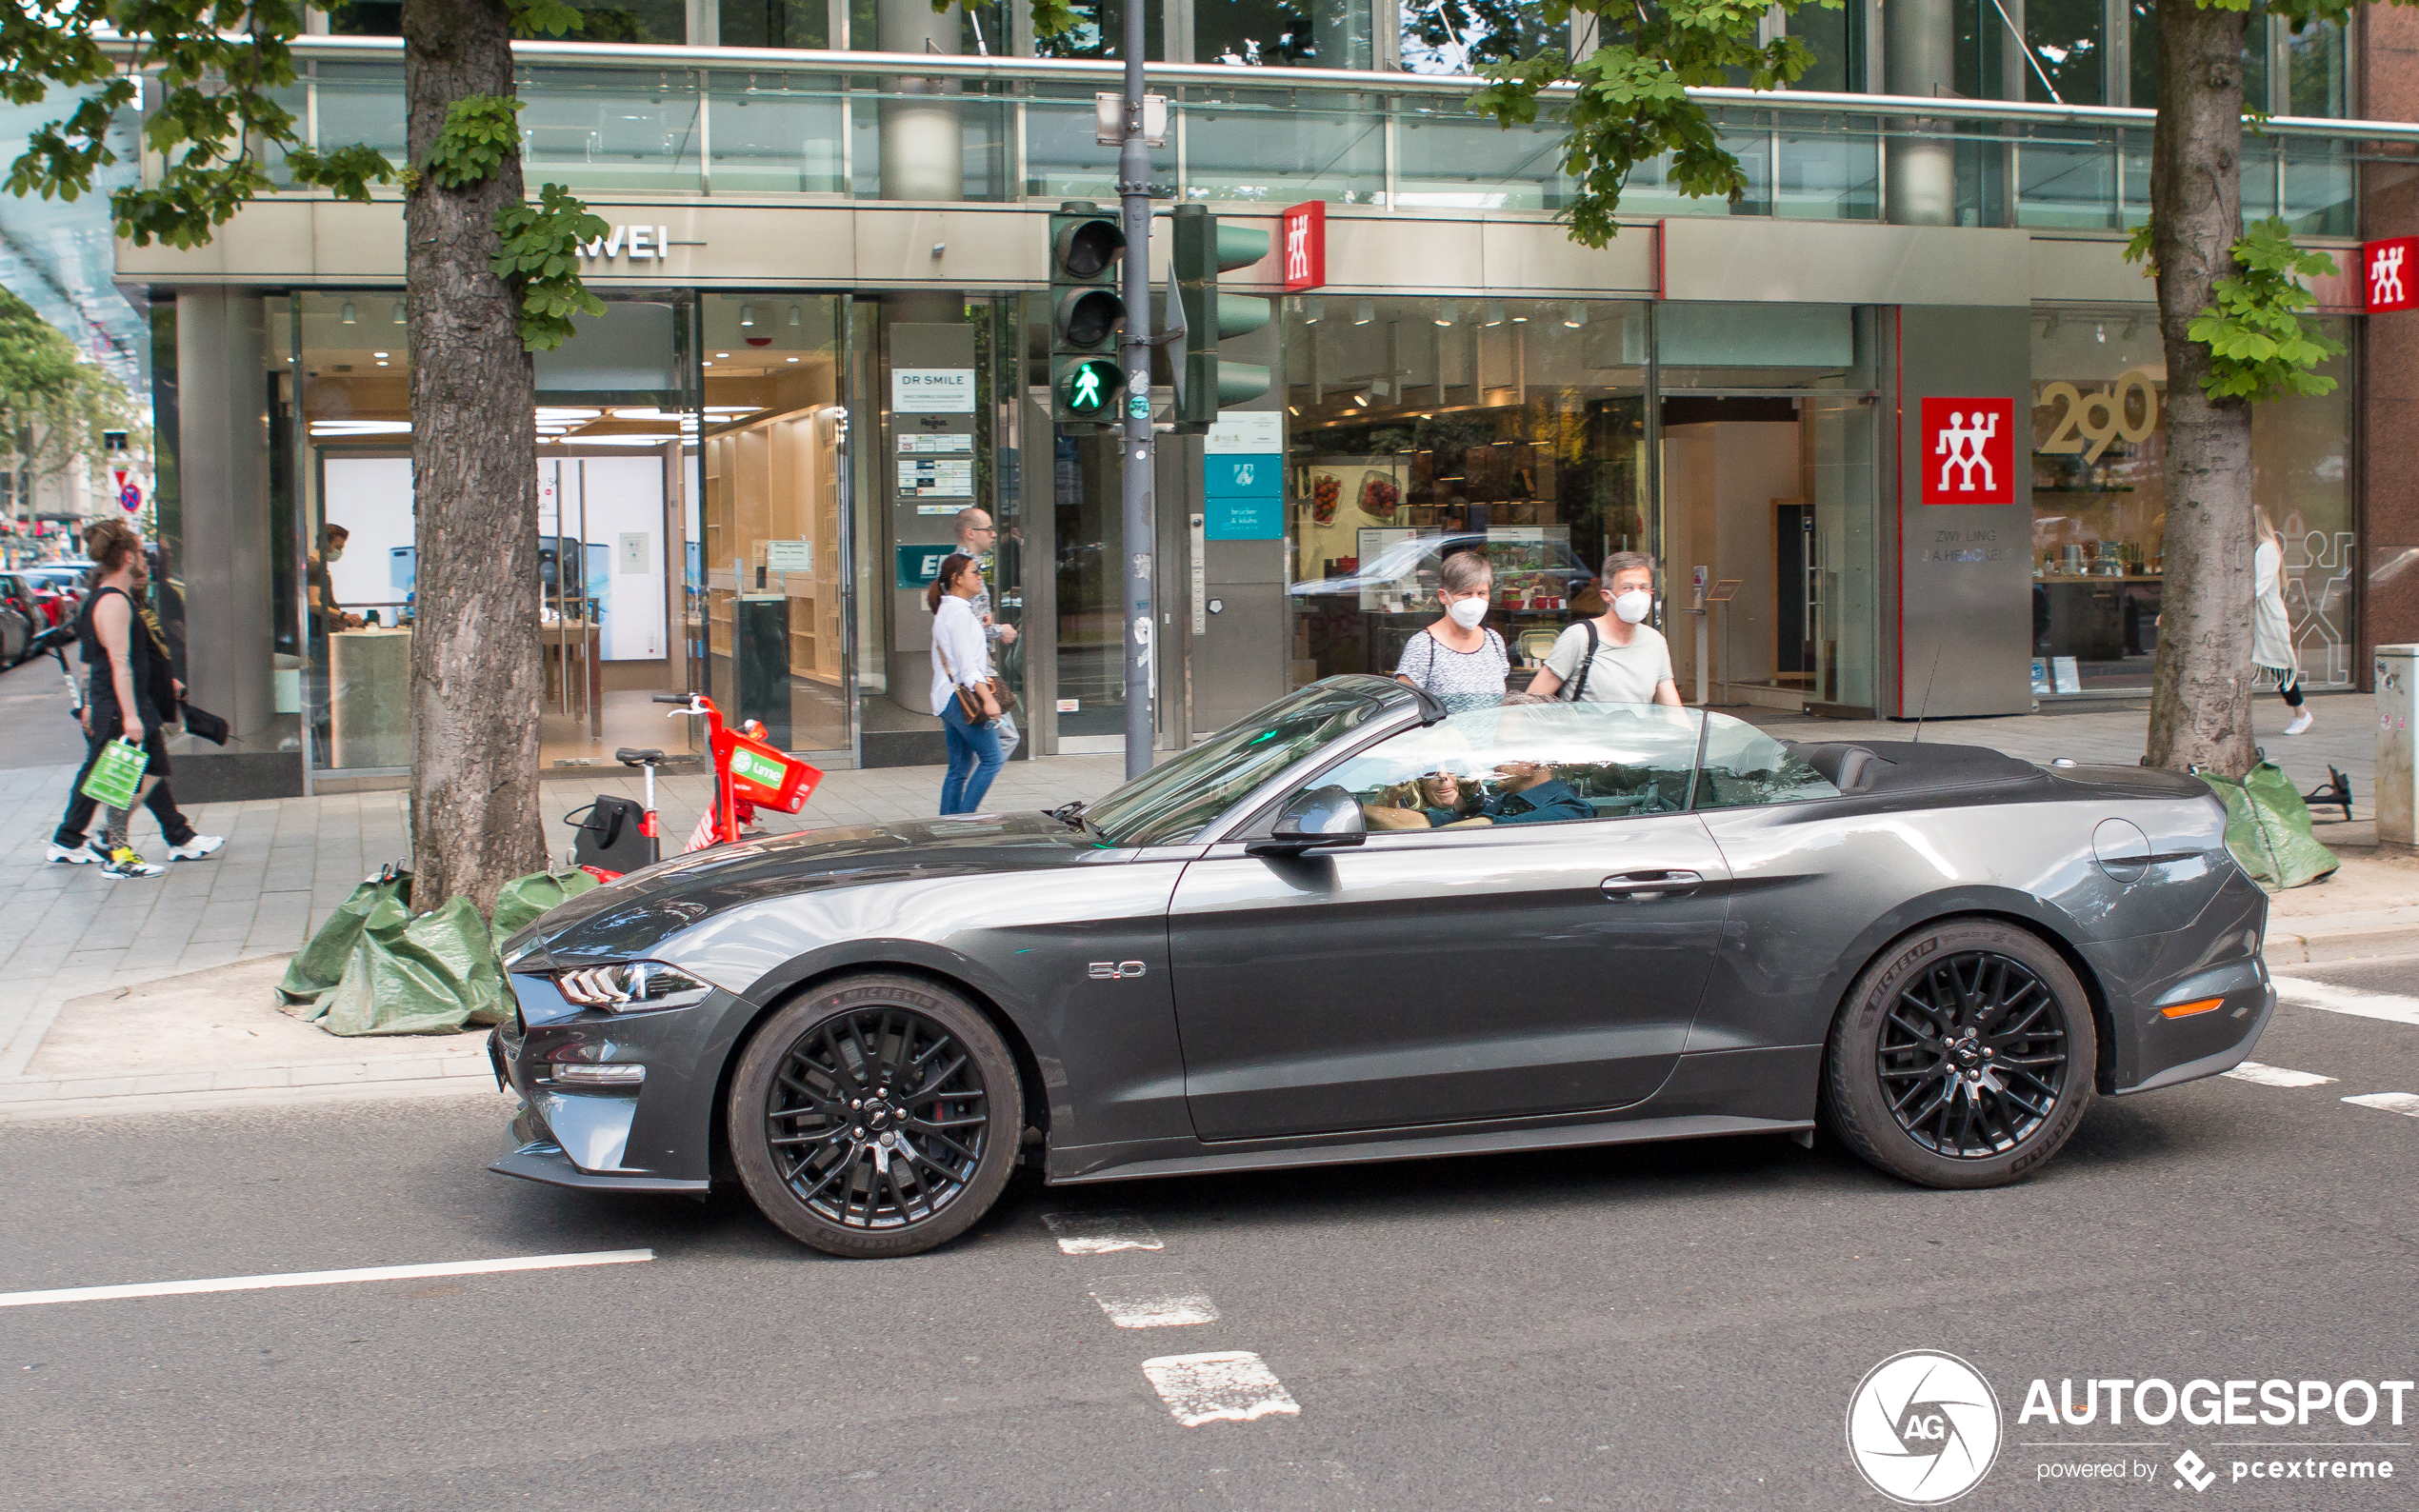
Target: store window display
<point x="1421" y="428"/>
<point x="2099" y="505"/>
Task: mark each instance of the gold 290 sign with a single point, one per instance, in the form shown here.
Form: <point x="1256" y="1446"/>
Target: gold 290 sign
<point x="2090" y="423"/>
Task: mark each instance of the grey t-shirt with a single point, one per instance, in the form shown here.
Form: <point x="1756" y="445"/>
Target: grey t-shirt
<point x="1622" y="674"/>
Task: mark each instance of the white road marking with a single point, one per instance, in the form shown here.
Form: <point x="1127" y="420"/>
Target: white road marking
<point x="2386" y="1006"/>
<point x="1101" y="1233"/>
<point x="2276" y="1076"/>
<point x="2406" y="1104"/>
<point x="1167" y="1300"/>
<point x="324" y="1278"/>
<point x="1230" y="1386"/>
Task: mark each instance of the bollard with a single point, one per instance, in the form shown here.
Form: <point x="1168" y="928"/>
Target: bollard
<point x="2397" y="668"/>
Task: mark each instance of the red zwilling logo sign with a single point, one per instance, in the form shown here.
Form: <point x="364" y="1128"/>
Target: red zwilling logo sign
<point x="2391" y="273"/>
<point x="1969" y="451"/>
<point x="1305" y="245"/>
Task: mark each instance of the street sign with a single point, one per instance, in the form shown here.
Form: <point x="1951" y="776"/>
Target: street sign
<point x="1968" y="450"/>
<point x="2391" y="273"/>
<point x="131" y="499"/>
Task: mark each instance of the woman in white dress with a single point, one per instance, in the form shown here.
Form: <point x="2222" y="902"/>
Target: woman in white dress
<point x="2271" y="627"/>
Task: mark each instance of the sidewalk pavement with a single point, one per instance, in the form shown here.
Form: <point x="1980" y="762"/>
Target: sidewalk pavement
<point x="115" y="979"/>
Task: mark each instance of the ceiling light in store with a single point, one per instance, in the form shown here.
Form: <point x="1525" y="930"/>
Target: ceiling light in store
<point x="797" y="316"/>
<point x="709" y="365"/>
<point x="361" y="427"/>
<point x="734" y="411"/>
<point x="620" y="441"/>
<point x="1363" y="312"/>
<point x="398" y="312"/>
<point x="563" y="414"/>
<point x="1494" y="312"/>
<point x="1576" y="316"/>
<point x="789" y="359"/>
<point x="1445" y="312"/>
<point x="2100" y="331"/>
<point x="1519" y="319"/>
<point x="746" y="315"/>
<point x="1363" y="400"/>
<point x="1314" y="310"/>
<point x="721" y="354"/>
<point x="378" y="354"/>
<point x="347" y="313"/>
<point x="383" y="365"/>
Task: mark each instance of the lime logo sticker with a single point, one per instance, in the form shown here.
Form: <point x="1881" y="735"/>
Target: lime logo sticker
<point x="1922" y="1427"/>
<point x="755" y="767"/>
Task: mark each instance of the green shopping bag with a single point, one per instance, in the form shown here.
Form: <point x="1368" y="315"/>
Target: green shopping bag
<point x="117" y="775"/>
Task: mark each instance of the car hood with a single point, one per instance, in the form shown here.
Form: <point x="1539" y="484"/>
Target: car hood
<point x="634" y="912"/>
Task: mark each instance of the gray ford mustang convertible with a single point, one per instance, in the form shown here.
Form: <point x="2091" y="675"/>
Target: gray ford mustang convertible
<point x="1356" y="926"/>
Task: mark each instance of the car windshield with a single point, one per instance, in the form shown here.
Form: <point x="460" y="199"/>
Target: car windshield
<point x="1169" y="803"/>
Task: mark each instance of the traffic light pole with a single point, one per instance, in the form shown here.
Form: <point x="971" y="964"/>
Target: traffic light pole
<point x="1134" y="195"/>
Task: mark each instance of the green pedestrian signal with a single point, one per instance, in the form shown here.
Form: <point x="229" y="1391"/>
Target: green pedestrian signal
<point x="1202" y="250"/>
<point x="1086" y="253"/>
<point x="1085" y="389"/>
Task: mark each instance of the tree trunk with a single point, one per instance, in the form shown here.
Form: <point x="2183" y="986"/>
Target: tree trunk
<point x="2201" y="682"/>
<point x="476" y="672"/>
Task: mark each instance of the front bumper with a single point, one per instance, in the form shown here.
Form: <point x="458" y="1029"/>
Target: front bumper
<point x="655" y="1136"/>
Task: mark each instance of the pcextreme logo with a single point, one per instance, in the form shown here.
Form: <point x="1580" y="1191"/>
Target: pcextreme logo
<point x="1922" y="1427"/>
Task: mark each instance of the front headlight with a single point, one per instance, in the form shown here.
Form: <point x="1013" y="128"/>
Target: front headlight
<point x="632" y="987"/>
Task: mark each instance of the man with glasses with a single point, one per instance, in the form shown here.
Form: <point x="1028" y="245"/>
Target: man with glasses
<point x="978" y="538"/>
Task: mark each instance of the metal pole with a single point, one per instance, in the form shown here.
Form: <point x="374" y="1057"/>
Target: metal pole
<point x="1134" y="195"/>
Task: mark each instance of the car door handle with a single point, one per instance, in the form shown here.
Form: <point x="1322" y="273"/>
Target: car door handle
<point x="1645" y="887"/>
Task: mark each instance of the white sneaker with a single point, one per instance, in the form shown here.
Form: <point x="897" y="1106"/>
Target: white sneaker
<point x="195" y="848"/>
<point x="72" y="855"/>
<point x="126" y="861"/>
<point x="2300" y="722"/>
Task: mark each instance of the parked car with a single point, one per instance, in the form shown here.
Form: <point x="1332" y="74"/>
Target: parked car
<point x="1353" y="927"/>
<point x="21" y="625"/>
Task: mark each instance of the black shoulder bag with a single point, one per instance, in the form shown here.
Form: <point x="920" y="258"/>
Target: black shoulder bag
<point x="1577" y="687"/>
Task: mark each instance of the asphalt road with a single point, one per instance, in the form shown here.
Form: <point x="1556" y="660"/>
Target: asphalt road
<point x="35" y="727"/>
<point x="1668" y="1327"/>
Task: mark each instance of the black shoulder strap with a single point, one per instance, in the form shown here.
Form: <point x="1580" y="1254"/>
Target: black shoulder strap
<point x="1586" y="663"/>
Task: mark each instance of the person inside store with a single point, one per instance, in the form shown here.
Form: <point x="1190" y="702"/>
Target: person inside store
<point x="1457" y="659"/>
<point x="326" y="613"/>
<point x="979" y="539"/>
<point x="1617" y="657"/>
<point x="962" y="663"/>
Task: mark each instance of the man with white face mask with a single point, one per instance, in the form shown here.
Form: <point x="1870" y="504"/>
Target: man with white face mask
<point x="1615" y="658"/>
<point x="1454" y="659"/>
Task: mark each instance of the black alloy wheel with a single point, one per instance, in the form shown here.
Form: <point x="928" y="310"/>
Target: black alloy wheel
<point x="1964" y="1056"/>
<point x="1973" y="1055"/>
<point x="879" y="1116"/>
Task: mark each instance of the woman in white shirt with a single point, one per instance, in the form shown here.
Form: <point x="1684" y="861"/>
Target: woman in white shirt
<point x="2271" y="627"/>
<point x="1617" y="657"/>
<point x="962" y="658"/>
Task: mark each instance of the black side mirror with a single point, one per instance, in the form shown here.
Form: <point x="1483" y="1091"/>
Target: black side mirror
<point x="1314" y="819"/>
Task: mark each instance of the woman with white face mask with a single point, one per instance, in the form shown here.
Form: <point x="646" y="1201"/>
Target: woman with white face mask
<point x="1617" y="657"/>
<point x="1457" y="659"/>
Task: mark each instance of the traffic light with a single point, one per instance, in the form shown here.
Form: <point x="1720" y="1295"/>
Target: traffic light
<point x="1204" y="250"/>
<point x="1087" y="252"/>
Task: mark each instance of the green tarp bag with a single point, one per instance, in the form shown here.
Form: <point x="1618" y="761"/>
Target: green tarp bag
<point x="117" y="775"/>
<point x="2268" y="828"/>
<point x="429" y="973"/>
<point x="524" y="899"/>
<point x="319" y="965"/>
